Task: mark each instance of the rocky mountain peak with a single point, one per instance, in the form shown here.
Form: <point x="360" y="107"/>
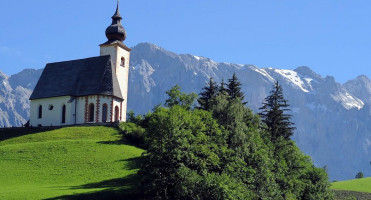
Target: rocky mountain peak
<point x="307" y="72"/>
<point x="360" y="87"/>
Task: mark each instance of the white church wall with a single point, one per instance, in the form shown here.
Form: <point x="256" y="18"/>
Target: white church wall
<point x="50" y="117"/>
<point x="80" y="110"/>
<point x="83" y="104"/>
<point x="54" y="117"/>
<point x="122" y="72"/>
<point x="105" y="100"/>
<point x="116" y="102"/>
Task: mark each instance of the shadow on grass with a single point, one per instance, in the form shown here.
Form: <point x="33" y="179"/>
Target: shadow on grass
<point x="125" y="141"/>
<point x="8" y="133"/>
<point x="116" y="142"/>
<point x="131" y="163"/>
<point x="119" y="188"/>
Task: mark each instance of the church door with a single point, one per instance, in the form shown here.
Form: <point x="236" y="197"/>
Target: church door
<point x="104" y="113"/>
<point x="63" y="114"/>
<point x="117" y="113"/>
<point x="91" y="112"/>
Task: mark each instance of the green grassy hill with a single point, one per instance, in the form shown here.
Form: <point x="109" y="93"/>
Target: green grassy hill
<point x="358" y="185"/>
<point x="72" y="162"/>
<point x="352" y="189"/>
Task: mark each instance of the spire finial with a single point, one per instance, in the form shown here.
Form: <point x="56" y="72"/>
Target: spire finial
<point x="115" y="31"/>
<point x="117" y="13"/>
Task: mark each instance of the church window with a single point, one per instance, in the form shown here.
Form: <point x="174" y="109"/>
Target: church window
<point x="91" y="112"/>
<point x="51" y="107"/>
<point x="122" y="64"/>
<point x="63" y="114"/>
<point x="40" y="111"/>
<point x="117" y="113"/>
<point x="104" y="113"/>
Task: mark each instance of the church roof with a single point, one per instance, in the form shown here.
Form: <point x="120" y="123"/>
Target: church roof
<point x="90" y="76"/>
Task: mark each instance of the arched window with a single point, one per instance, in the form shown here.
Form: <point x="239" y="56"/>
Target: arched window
<point x="122" y="64"/>
<point x="40" y="111"/>
<point x="104" y="113"/>
<point x="91" y="112"/>
<point x="117" y="113"/>
<point x="63" y="114"/>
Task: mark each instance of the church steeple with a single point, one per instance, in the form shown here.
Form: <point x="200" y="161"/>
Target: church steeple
<point x="120" y="60"/>
<point x="116" y="32"/>
<point x="117" y="13"/>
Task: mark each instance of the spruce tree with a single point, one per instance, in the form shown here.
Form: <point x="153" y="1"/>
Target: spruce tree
<point x="222" y="88"/>
<point x="234" y="88"/>
<point x="207" y="95"/>
<point x="274" y="114"/>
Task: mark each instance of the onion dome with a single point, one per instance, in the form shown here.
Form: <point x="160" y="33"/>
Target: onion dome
<point x="116" y="31"/>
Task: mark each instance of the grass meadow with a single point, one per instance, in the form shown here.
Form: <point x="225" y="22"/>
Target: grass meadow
<point x="358" y="185"/>
<point x="68" y="163"/>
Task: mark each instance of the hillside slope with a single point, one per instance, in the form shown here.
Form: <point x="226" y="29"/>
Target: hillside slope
<point x="358" y="185"/>
<point x="352" y="189"/>
<point x="72" y="162"/>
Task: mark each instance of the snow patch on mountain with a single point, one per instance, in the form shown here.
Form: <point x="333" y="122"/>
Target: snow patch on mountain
<point x="263" y="72"/>
<point x="197" y="57"/>
<point x="293" y="77"/>
<point x="348" y="101"/>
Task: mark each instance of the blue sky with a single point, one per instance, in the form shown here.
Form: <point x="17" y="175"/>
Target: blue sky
<point x="332" y="37"/>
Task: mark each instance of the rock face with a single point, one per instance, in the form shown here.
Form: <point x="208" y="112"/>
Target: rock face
<point x="332" y="120"/>
<point x="14" y="93"/>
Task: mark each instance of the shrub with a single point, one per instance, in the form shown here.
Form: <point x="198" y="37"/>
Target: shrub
<point x="133" y="133"/>
<point x="359" y="175"/>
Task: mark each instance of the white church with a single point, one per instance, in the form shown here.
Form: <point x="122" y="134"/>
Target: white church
<point x="89" y="90"/>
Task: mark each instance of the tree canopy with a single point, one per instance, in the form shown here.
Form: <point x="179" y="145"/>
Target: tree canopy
<point x="224" y="151"/>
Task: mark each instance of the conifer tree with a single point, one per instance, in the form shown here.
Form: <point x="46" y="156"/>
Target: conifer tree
<point x="234" y="88"/>
<point x="274" y="114"/>
<point x="207" y="95"/>
<point x="222" y="88"/>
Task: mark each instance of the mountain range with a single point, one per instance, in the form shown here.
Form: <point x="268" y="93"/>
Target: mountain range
<point x="332" y="119"/>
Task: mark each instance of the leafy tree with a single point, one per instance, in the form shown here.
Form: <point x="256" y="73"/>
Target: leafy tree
<point x="274" y="114"/>
<point x="133" y="133"/>
<point x="208" y="95"/>
<point x="359" y="175"/>
<point x="234" y="88"/>
<point x="186" y="147"/>
<point x="134" y="119"/>
<point x="176" y="97"/>
<point x="316" y="184"/>
<point x="224" y="153"/>
<point x="250" y="160"/>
